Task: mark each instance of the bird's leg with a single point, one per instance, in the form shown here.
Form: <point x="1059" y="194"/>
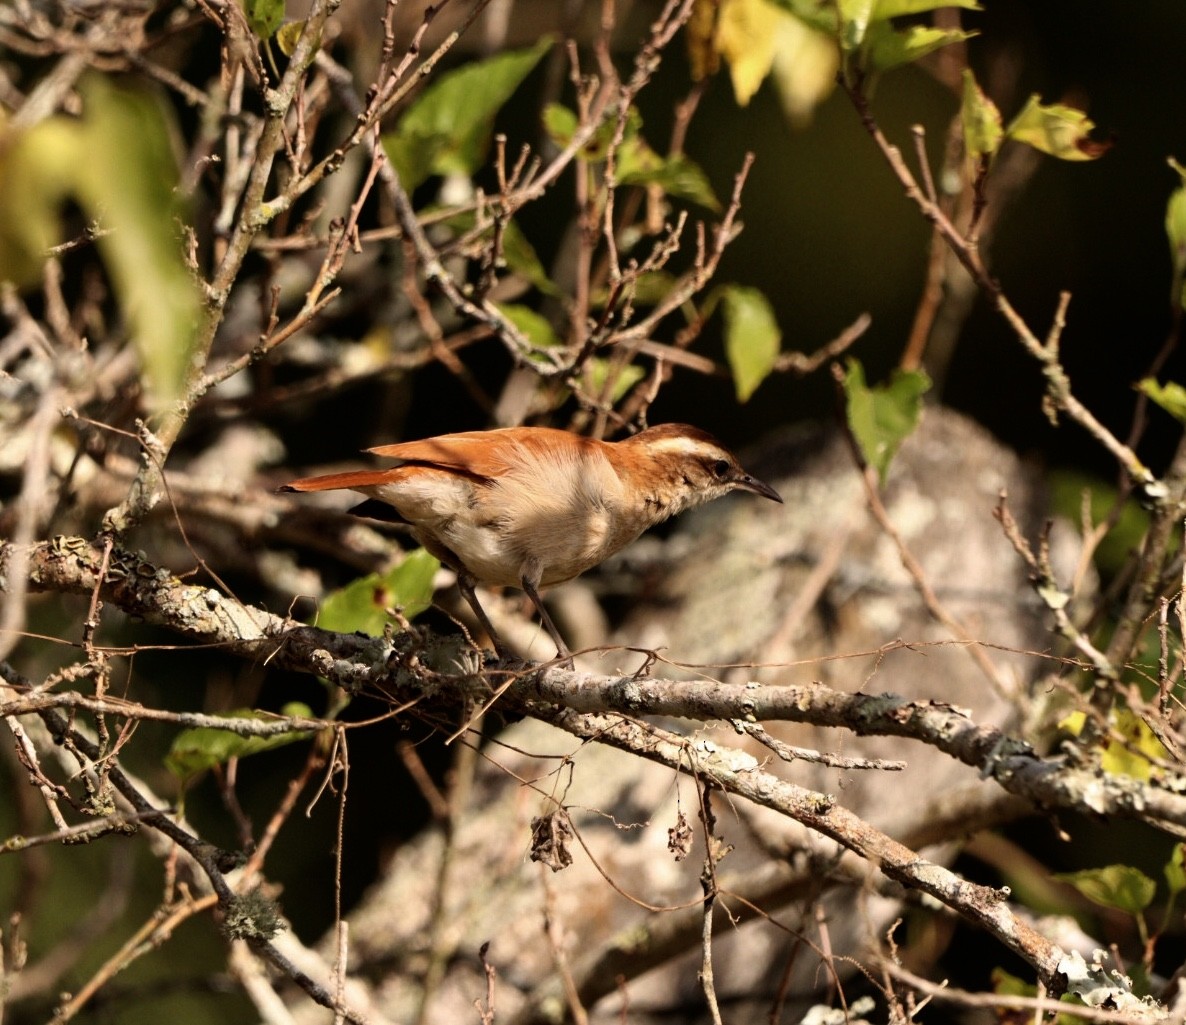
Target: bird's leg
<point x="465" y="584"/>
<point x="562" y="651"/>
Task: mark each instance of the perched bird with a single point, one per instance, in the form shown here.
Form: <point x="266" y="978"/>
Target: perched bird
<point x="532" y="506"/>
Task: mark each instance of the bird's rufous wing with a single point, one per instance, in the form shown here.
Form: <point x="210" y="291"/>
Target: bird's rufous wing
<point x="468" y="454"/>
<point x="480" y="455"/>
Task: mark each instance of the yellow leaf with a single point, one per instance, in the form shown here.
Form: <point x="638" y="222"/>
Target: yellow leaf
<point x="1136" y="754"/>
<point x="805" y="66"/>
<point x="37" y="171"/>
<point x="1057" y="129"/>
<point x="981" y="120"/>
<point x="126" y="183"/>
<point x="746" y="39"/>
<point x="117" y="163"/>
<point x="1136" y="751"/>
<point x="287" y="36"/>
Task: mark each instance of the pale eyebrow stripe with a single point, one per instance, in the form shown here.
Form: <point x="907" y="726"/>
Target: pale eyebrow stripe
<point x="690" y="446"/>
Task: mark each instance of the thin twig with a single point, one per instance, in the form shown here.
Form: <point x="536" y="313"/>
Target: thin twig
<point x="708" y="883"/>
<point x="912" y="566"/>
<point x="1057" y="382"/>
<point x="790" y="753"/>
<point x="1132" y="1014"/>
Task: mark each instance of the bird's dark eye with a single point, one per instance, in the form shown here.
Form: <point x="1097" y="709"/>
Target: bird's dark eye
<point x="721" y="468"/>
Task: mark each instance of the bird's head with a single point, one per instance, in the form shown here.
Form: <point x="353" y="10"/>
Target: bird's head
<point x="680" y="466"/>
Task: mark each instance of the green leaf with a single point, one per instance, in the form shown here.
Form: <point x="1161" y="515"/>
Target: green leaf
<point x="126" y="183"/>
<point x="538" y="330"/>
<point x="534" y="327"/>
<point x="1144" y="984"/>
<point x="1114" y="551"/>
<point x="636" y="162"/>
<point x="196" y="750"/>
<point x="822" y="17"/>
<point x="521" y="258"/>
<point x="1175" y="871"/>
<point x="860" y="20"/>
<point x="626" y="376"/>
<point x="413" y="156"/>
<point x="447" y="129"/>
<point x="882" y="418"/>
<point x="38" y="167"/>
<point x="117" y="163"/>
<point x="1170" y="396"/>
<point x="981" y="120"/>
<point x="897" y="8"/>
<point x="752" y="338"/>
<point x="1058" y="130"/>
<point x="891" y="48"/>
<point x="1005" y="984"/>
<point x="1175" y="228"/>
<point x="1113" y="886"/>
<point x="264" y="16"/>
<point x="677" y="176"/>
<point x="651" y="288"/>
<point x="561" y="124"/>
<point x="855" y="16"/>
<point x="517" y="251"/>
<point x="362" y="604"/>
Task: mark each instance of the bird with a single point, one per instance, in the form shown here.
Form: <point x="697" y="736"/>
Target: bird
<point x="529" y="507"/>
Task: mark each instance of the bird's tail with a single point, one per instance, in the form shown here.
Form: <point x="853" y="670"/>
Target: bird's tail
<point x="350" y="479"/>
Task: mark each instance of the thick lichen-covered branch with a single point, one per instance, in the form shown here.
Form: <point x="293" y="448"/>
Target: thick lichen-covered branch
<point x="443" y="669"/>
<point x="414" y="668"/>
